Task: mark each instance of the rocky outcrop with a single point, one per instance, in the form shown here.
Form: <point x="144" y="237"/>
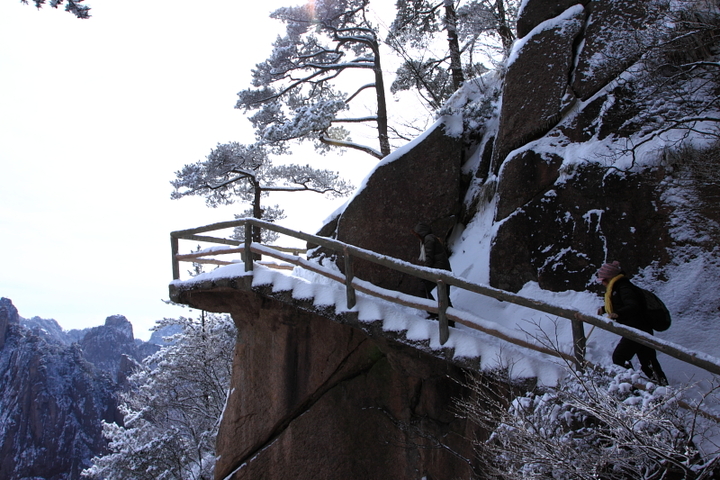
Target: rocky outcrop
<point x="51" y="404"/>
<point x="563" y="205"/>
<point x="324" y="400"/>
<point x="47" y="328"/>
<point x="536" y="84"/>
<point x="8" y="316"/>
<point x="422" y="184"/>
<point x="106" y="345"/>
<point x="53" y="398"/>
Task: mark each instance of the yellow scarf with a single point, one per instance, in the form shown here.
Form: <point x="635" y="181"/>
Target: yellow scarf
<point x="608" y="293"/>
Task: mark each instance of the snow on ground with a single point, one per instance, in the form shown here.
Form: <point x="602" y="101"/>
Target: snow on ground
<point x="472" y="251"/>
<point x="492" y="353"/>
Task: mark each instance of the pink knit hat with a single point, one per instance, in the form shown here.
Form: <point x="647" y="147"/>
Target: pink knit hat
<point x="609" y="270"/>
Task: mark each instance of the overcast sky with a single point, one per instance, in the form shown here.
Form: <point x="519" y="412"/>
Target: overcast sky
<point x="95" y="117"/>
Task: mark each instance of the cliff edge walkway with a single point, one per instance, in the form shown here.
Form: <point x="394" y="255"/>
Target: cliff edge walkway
<point x="341" y="297"/>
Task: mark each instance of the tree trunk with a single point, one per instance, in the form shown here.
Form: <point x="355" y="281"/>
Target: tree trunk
<point x="503" y="29"/>
<point x="257" y="211"/>
<point x="382" y="118"/>
<point x="451" y="27"/>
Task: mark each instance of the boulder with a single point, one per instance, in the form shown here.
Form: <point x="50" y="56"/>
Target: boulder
<point x="523" y="177"/>
<point x="534" y="12"/>
<point x="536" y="84"/>
<point x="561" y="237"/>
<point x="421" y="184"/>
<point x="618" y="32"/>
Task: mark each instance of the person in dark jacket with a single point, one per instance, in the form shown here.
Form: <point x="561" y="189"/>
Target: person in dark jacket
<point x="433" y="254"/>
<point x="625" y="303"/>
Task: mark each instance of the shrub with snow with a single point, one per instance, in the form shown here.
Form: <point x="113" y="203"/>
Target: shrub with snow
<point x="597" y="424"/>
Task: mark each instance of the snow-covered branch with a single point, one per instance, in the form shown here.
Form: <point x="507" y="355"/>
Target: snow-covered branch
<point x="343" y="143"/>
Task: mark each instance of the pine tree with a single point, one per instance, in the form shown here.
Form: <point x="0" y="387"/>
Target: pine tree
<point x="294" y="91"/>
<point x="172" y="412"/>
<point x="472" y="28"/>
<point x="233" y="172"/>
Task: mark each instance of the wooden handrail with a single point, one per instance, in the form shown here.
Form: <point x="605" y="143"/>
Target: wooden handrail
<point x="699" y="359"/>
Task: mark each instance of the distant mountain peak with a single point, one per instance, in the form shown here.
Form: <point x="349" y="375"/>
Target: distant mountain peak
<point x="121" y="324"/>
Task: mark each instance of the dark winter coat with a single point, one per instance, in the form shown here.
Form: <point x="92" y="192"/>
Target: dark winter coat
<point x="629" y="304"/>
<point x="436" y="255"/>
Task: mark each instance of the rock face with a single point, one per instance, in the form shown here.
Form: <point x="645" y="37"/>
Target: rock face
<point x="325" y="401"/>
<point x="422" y="185"/>
<point x="51" y="404"/>
<point x="574" y="225"/>
<point x="53" y="397"/>
<point x="613" y="40"/>
<point x="536" y="91"/>
<point x="563" y="204"/>
<point x="106" y="345"/>
<point x="8" y="316"/>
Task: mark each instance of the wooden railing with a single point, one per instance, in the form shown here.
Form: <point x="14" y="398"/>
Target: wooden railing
<point x="442" y="278"/>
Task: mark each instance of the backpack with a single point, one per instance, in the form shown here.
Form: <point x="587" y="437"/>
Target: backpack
<point x="656" y="312"/>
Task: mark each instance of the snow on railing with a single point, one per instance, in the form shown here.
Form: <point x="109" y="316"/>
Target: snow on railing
<point x="442" y="278"/>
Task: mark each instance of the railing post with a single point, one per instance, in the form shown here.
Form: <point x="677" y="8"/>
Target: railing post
<point x="349" y="275"/>
<point x="174" y="246"/>
<point x="579" y="342"/>
<point x="443" y="303"/>
<point x="248" y="253"/>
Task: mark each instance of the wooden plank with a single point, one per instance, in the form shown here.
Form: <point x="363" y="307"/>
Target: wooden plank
<point x="204" y="238"/>
<point x="248" y="243"/>
<point x="349" y="275"/>
<point x="293" y="251"/>
<point x="210" y="261"/>
<point x="191" y="256"/>
<point x="174" y="246"/>
<point x="443" y="302"/>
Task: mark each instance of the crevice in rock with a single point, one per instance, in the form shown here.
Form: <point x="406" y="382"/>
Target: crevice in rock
<point x="306" y="405"/>
<point x="576" y="50"/>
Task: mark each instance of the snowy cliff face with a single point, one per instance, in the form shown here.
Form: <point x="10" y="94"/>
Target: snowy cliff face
<point x="575" y="152"/>
<point x="55" y="393"/>
<point x="105" y="346"/>
<point x="587" y="158"/>
<point x="417" y="183"/>
<point x="602" y="146"/>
